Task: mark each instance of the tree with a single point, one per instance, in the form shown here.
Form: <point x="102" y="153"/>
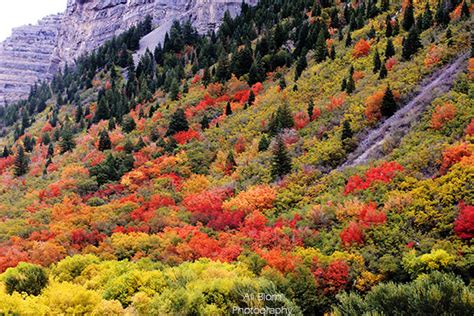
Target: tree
<point x="281" y="162"/>
<point x="321" y="50"/>
<point x="389" y="28"/>
<point x="281" y="120"/>
<point x="442" y="14"/>
<point x="205" y="122"/>
<point x="300" y="66"/>
<point x="264" y="143"/>
<point x="464" y="224"/>
<point x="79" y="114"/>
<point x="347" y="132"/>
<point x="383" y="72"/>
<point x="377" y="61"/>
<point x="228" y="109"/>
<point x="361" y="48"/>
<point x="6" y="152"/>
<point x="21" y="162"/>
<point x="389" y="49"/>
<point x="251" y="99"/>
<point x="104" y="141"/>
<point x="178" y="123"/>
<point x="25" y="278"/>
<point x="310" y="108"/>
<point x="427" y="18"/>
<point x="67" y="142"/>
<point x="50" y="151"/>
<point x="408" y="16"/>
<point x="102" y="111"/>
<point x="128" y="124"/>
<point x="174" y="90"/>
<point x="389" y="105"/>
<point x="411" y="44"/>
<point x="348" y="39"/>
<point x="465" y="11"/>
<point x="350" y="86"/>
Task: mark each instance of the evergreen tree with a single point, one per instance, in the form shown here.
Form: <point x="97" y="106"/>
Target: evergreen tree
<point x="228" y="109"/>
<point x="389" y="105"/>
<point x="377" y="61"/>
<point x="332" y="53"/>
<point x="281" y="162"/>
<point x="472" y="44"/>
<point x="281" y="120"/>
<point x="300" y="66"/>
<point x="310" y="108"/>
<point x="321" y="50"/>
<point x="264" y="143"/>
<point x="251" y="99"/>
<point x="344" y="84"/>
<point x="346" y="131"/>
<point x="102" y="111"/>
<point x="348" y="39"/>
<point x="205" y="122"/>
<point x="383" y="72"/>
<point x="282" y="83"/>
<point x="230" y="163"/>
<point x="21" y="162"/>
<point x="411" y="44"/>
<point x="408" y="16"/>
<point x="223" y="69"/>
<point x="350" y="87"/>
<point x="389" y="28"/>
<point x="174" y="90"/>
<point x="6" y="152"/>
<point x="128" y="124"/>
<point x="389" y="49"/>
<point x="111" y="126"/>
<point x="67" y="142"/>
<point x="104" y="141"/>
<point x="427" y="18"/>
<point x="442" y="14"/>
<point x="50" y="151"/>
<point x="465" y="11"/>
<point x="79" y="114"/>
<point x="178" y="123"/>
<point x="384" y="5"/>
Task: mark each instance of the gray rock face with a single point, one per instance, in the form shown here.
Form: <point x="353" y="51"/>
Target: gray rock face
<point x="35" y="52"/>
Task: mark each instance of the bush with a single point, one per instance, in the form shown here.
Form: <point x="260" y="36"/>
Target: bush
<point x="25" y="278"/>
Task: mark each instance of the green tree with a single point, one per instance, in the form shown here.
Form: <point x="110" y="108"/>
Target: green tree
<point x="300" y="66"/>
<point x="104" y="141"/>
<point x="377" y="61"/>
<point x="465" y="11"/>
<point x="102" y="111"/>
<point x="21" y="162"/>
<point x="310" y="109"/>
<point x="389" y="49"/>
<point x="389" y="28"/>
<point x="178" y="123"/>
<point x="321" y="50"/>
<point x="205" y="122"/>
<point x="228" y="109"/>
<point x="281" y="119"/>
<point x="389" y="105"/>
<point x="67" y="142"/>
<point x="427" y="18"/>
<point x="408" y="16"/>
<point x="347" y="132"/>
<point x="25" y="278"/>
<point x="411" y="44"/>
<point x="6" y="152"/>
<point x="264" y="143"/>
<point x="281" y="161"/>
<point x="174" y="90"/>
<point x="128" y="124"/>
<point x="383" y="72"/>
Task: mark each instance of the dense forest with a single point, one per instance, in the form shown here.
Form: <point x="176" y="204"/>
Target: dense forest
<point x="217" y="174"/>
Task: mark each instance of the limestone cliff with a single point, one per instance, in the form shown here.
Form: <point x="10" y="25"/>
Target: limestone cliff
<point x="35" y="52"/>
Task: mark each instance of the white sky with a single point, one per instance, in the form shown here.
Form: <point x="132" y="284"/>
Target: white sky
<point x="15" y="13"/>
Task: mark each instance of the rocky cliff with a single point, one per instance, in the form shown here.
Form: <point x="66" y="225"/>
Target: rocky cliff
<point x="35" y="52"/>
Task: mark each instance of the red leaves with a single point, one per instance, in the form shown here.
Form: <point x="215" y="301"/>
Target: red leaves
<point x="147" y="211"/>
<point x="464" y="224"/>
<point x="361" y="48"/>
<point x="369" y="215"/>
<point x="442" y="114"/>
<point x="81" y="238"/>
<point x="206" y="205"/>
<point x="453" y="155"/>
<point x="352" y="234"/>
<point x="301" y="120"/>
<point x="186" y="136"/>
<point x="384" y="173"/>
<point x="6" y="163"/>
<point x="282" y="261"/>
<point x="470" y="128"/>
<point x="333" y="278"/>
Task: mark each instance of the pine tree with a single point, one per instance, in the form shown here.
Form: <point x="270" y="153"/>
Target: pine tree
<point x="472" y="44"/>
<point x="79" y="114"/>
<point x="6" y="152"/>
<point x="103" y="111"/>
<point x="281" y="162"/>
<point x="228" y="109"/>
<point x="111" y="126"/>
<point x="383" y="72"/>
<point x="251" y="99"/>
<point x="442" y="14"/>
<point x="464" y="11"/>
<point x="21" y="162"/>
<point x="263" y="144"/>
<point x="281" y="120"/>
<point x="174" y="90"/>
<point x="377" y="61"/>
<point x="67" y="142"/>
<point x="389" y="105"/>
<point x="332" y="53"/>
<point x="128" y="124"/>
<point x="427" y="18"/>
<point x="178" y="123"/>
<point x="346" y="131"/>
<point x="384" y="5"/>
<point x="104" y="141"/>
<point x="389" y="49"/>
<point x="408" y="16"/>
<point x="310" y="108"/>
<point x="411" y="44"/>
<point x="389" y="28"/>
<point x="300" y="66"/>
<point x="50" y="151"/>
<point x="205" y="122"/>
<point x="350" y="87"/>
<point x="230" y="163"/>
<point x="321" y="50"/>
<point x="348" y="39"/>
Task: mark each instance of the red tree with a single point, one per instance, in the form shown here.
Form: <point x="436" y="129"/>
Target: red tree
<point x="464" y="224"/>
<point x="352" y="234"/>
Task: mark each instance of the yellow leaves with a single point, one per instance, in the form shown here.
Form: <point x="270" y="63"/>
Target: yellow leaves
<point x="259" y="198"/>
<point x="195" y="184"/>
<point x="438" y="259"/>
<point x="367" y="280"/>
<point x="349" y="209"/>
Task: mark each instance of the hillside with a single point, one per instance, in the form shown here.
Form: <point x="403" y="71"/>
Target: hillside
<point x="308" y="158"/>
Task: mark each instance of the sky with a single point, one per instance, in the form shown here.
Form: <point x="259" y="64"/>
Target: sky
<point x="20" y="12"/>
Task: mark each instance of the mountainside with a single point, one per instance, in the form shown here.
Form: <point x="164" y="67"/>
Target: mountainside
<point x="308" y="158"/>
<point x="34" y="53"/>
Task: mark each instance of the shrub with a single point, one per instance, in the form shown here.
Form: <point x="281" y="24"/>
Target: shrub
<point x="25" y="278"/>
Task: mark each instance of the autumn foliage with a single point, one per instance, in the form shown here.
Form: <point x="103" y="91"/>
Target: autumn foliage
<point x="464" y="224"/>
<point x="383" y="173"/>
<point x="361" y="48"/>
<point x="442" y="115"/>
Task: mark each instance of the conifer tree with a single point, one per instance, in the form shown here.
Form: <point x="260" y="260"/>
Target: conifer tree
<point x="111" y="126"/>
<point x="332" y="53"/>
<point x="50" y="151"/>
<point x="384" y="5"/>
<point x="310" y="108"/>
<point x="464" y="11"/>
<point x="348" y="39"/>
<point x="205" y="122"/>
<point x="21" y="162"/>
<point x="411" y="44"/>
<point x="321" y="50"/>
<point x="178" y="123"/>
<point x="389" y="28"/>
<point x="282" y="83"/>
<point x="377" y="61"/>
<point x="174" y="90"/>
<point x="427" y="18"/>
<point x="128" y="124"/>
<point x="228" y="109"/>
<point x="281" y="120"/>
<point x="79" y="114"/>
<point x="346" y="131"/>
<point x="251" y="98"/>
<point x="350" y="86"/>
<point x="102" y="111"/>
<point x="389" y="49"/>
<point x="383" y="72"/>
<point x="389" y="105"/>
<point x="281" y="162"/>
<point x="67" y="142"/>
<point x="6" y="152"/>
<point x="264" y="143"/>
<point x="300" y="66"/>
<point x="104" y="141"/>
<point x="442" y="14"/>
<point x="408" y="16"/>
